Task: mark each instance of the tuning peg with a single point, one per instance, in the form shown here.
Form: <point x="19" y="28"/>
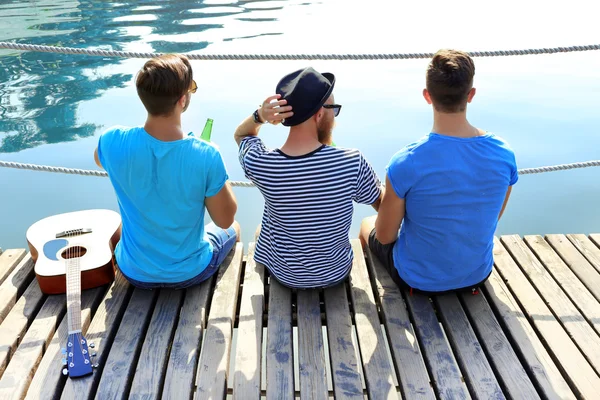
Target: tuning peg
<point x="64" y="361"/>
<point x="65" y="371"/>
<point x="94" y="354"/>
<point x="91" y="345"/>
<point x="95" y="365"/>
<point x="63" y="350"/>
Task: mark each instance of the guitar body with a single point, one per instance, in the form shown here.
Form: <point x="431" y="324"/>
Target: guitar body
<point x="89" y="236"/>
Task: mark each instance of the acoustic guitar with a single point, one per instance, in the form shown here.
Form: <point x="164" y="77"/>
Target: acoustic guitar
<point x="74" y="251"/>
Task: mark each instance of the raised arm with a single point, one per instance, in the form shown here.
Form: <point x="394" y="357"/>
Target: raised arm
<point x="270" y="112"/>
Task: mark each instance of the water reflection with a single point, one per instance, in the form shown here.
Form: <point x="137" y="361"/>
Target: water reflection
<point x="545" y="106"/>
<point x="40" y="92"/>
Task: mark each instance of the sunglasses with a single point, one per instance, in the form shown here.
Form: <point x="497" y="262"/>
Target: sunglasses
<point x="193" y="88"/>
<point x="336" y="108"/>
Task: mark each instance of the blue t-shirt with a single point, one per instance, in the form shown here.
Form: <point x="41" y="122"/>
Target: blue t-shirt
<point x="454" y="189"/>
<point x="161" y="188"/>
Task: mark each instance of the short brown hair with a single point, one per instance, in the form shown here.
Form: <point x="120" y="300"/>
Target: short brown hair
<point x="162" y="81"/>
<point x="449" y="80"/>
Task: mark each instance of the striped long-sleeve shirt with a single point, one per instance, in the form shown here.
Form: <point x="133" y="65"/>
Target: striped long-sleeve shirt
<point x="304" y="239"/>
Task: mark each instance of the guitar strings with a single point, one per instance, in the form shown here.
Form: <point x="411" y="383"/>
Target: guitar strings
<point x="71" y="317"/>
<point x="77" y="280"/>
<point x="69" y="310"/>
<point x="80" y="334"/>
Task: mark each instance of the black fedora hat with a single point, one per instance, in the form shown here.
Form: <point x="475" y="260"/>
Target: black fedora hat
<point x="306" y="90"/>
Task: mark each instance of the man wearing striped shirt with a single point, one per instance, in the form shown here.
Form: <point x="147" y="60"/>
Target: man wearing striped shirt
<point x="308" y="185"/>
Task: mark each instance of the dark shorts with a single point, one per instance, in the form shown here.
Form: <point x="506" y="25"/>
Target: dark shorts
<point x="222" y="240"/>
<point x="385" y="254"/>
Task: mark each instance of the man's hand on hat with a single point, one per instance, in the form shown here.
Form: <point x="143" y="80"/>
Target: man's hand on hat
<point x="274" y="112"/>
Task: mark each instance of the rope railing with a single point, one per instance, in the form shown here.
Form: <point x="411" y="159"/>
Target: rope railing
<point x="239" y="57"/>
<point x="90" y="172"/>
<point x="394" y="56"/>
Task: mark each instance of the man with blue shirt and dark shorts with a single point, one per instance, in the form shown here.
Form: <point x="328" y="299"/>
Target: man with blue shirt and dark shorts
<point x="434" y="231"/>
<point x="164" y="180"/>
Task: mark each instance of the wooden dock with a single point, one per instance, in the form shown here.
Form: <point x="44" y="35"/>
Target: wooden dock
<point x="533" y="332"/>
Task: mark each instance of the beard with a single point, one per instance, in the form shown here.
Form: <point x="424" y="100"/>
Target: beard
<point x="325" y="131"/>
<point x="188" y="99"/>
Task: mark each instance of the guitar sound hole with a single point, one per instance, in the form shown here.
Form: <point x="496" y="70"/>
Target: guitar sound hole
<point x="74" y="252"/>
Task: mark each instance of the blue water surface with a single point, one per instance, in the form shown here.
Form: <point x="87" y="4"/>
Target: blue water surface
<point x="54" y="106"/>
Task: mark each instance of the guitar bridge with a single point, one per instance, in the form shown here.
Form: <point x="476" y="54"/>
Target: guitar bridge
<point x="73" y="232"/>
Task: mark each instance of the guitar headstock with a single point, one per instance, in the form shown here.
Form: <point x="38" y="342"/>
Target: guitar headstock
<point x="78" y="361"/>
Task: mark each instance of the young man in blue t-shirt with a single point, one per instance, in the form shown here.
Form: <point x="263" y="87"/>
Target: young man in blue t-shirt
<point x="435" y="227"/>
<point x="164" y="180"/>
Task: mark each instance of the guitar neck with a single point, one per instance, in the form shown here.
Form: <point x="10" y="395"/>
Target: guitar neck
<point x="73" y="295"/>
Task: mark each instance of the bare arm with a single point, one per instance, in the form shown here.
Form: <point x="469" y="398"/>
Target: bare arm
<point x="505" y="202"/>
<point x="390" y="215"/>
<point x="274" y="113"/>
<point x="222" y="207"/>
<point x="377" y="203"/>
<point x="247" y="128"/>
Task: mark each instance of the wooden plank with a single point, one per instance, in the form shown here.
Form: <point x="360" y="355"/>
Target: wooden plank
<point x="473" y="362"/>
<point x="572" y="286"/>
<point x="151" y="364"/>
<point x="14" y="285"/>
<point x="122" y="359"/>
<point x="311" y="355"/>
<point x="14" y="326"/>
<point x="101" y="332"/>
<point x="581" y="262"/>
<point x="246" y="381"/>
<point x="280" y="362"/>
<point x="344" y="363"/>
<point x="23" y="364"/>
<point x="566" y="313"/>
<point x="48" y="381"/>
<point x="376" y="365"/>
<point x="595" y="260"/>
<point x="508" y="367"/>
<point x="541" y="368"/>
<point x="9" y="261"/>
<point x="183" y="360"/>
<point x="580" y="374"/>
<point x="447" y="377"/>
<point x="414" y="381"/>
<point x="213" y="366"/>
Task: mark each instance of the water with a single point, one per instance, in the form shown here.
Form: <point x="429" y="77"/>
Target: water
<point x="53" y="107"/>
